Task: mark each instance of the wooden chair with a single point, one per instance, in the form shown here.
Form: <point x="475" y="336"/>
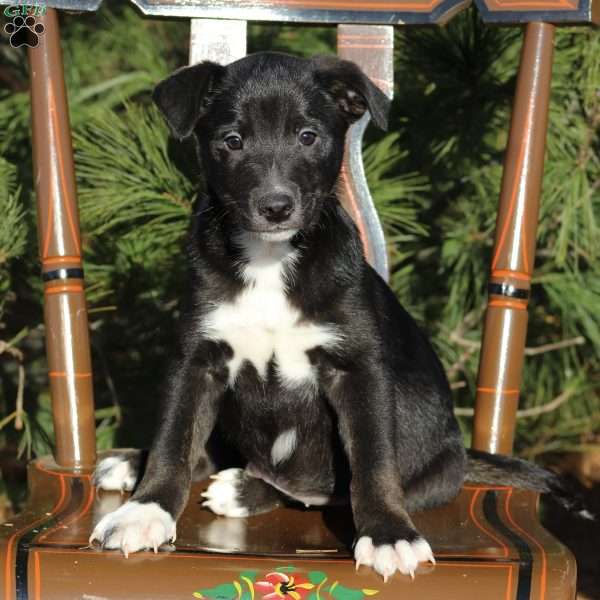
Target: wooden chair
<point x="488" y="542"/>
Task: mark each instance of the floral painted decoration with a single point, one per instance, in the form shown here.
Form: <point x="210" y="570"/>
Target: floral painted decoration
<point x="284" y="583"/>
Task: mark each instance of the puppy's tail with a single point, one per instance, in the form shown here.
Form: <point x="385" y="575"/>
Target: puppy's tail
<point x="496" y="469"/>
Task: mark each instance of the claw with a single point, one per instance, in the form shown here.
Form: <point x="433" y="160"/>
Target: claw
<point x="155" y="547"/>
<point x="358" y="564"/>
<point x="125" y="551"/>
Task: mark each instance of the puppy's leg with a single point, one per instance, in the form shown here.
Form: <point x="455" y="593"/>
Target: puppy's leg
<point x="387" y="539"/>
<point x="439" y="483"/>
<point x="235" y="493"/>
<point x="147" y="520"/>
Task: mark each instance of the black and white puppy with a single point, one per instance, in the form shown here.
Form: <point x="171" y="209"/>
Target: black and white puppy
<point x="292" y="345"/>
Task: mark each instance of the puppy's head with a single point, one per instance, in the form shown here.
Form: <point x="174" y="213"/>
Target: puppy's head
<point x="271" y="130"/>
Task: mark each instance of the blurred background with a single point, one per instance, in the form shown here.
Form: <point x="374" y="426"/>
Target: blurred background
<point x="435" y="178"/>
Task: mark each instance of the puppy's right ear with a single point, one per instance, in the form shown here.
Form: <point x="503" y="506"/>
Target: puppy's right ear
<point x="184" y="97"/>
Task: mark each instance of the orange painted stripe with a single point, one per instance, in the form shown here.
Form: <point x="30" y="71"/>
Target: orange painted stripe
<point x="65" y="374"/>
<point x="371" y="46"/>
<point x="508" y="595"/>
<point x="62" y="474"/>
<point x="74" y="518"/>
<point x="507" y="304"/>
<point x="490" y="390"/>
<point x="481" y="527"/>
<point x="8" y="566"/>
<point x="358" y="220"/>
<point x="544" y="569"/>
<point x="37" y="580"/>
<point x="537" y="5"/>
<point x="498" y="488"/>
<point x="58" y="260"/>
<point x="208" y="556"/>
<point x="61" y="169"/>
<point x="63" y="289"/>
<point x="508" y="273"/>
<point x="49" y="224"/>
<point x="363" y="5"/>
<point x="514" y="190"/>
<point x="360" y="36"/>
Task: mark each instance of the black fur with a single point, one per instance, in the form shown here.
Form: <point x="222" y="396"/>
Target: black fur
<point x="380" y="426"/>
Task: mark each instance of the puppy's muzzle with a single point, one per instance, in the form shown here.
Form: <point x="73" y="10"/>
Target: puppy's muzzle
<point x="276" y="208"/>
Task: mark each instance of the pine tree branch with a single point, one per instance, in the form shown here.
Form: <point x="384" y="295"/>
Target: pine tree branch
<point x="18" y="356"/>
<point x="524" y="413"/>
<point x="529" y="350"/>
<point x="533" y="351"/>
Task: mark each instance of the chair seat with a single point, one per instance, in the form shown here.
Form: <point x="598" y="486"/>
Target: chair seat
<point x="488" y="545"/>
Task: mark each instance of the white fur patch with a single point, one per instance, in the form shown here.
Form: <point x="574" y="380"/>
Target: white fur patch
<point x="135" y="526"/>
<point x="260" y="323"/>
<point x="403" y="556"/>
<point x="222" y="494"/>
<point x="115" y="473"/>
<point x="283" y="446"/>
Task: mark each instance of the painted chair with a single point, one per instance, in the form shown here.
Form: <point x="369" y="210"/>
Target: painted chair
<point x="488" y="543"/>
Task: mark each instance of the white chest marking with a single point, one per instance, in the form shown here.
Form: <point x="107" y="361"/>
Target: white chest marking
<point x="260" y="323"/>
<point x="283" y="446"/>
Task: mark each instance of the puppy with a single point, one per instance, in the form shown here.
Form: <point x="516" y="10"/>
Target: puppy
<point x="292" y="346"/>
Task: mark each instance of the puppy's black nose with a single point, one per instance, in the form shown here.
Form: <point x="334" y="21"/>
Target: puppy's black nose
<point x="276" y="208"/>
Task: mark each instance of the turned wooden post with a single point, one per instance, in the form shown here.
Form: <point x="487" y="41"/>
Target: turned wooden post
<point x="502" y="350"/>
<point x="65" y="311"/>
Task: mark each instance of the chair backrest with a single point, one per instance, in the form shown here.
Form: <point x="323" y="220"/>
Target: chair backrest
<point x="365" y="35"/>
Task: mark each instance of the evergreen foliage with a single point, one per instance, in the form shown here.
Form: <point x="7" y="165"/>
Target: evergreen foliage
<point x="435" y="178"/>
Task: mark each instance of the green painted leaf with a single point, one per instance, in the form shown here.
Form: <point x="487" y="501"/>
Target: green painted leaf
<point x="316" y="577"/>
<point x="251" y="575"/>
<point x="224" y="591"/>
<point x="340" y="592"/>
<point x="288" y="569"/>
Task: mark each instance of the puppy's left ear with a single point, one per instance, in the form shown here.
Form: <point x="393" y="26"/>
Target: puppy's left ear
<point x="185" y="96"/>
<point x="352" y="90"/>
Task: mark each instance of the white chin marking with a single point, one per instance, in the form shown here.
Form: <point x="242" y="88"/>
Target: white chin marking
<point x="135" y="526"/>
<point x="222" y="494"/>
<point x="403" y="556"/>
<point x="115" y="473"/>
<point x="277" y="236"/>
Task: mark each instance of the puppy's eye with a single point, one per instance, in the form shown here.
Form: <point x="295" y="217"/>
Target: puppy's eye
<point x="307" y="138"/>
<point x="234" y="142"/>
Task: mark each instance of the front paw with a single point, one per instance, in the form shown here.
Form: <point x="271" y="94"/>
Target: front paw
<point x="135" y="526"/>
<point x="386" y="559"/>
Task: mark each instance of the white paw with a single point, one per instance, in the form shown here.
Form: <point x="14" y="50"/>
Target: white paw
<point x="135" y="526"/>
<point x="403" y="556"/>
<point x="222" y="494"/>
<point x="115" y="473"/>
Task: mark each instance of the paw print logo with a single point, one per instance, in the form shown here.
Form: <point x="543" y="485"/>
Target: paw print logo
<point x="24" y="31"/>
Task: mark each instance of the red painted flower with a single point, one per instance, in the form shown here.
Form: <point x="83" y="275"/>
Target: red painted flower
<point x="278" y="585"/>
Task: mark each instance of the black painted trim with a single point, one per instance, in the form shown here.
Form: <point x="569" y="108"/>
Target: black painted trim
<point x="490" y="510"/>
<point x="510" y="291"/>
<point x="62" y="274"/>
<point x="27" y="540"/>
